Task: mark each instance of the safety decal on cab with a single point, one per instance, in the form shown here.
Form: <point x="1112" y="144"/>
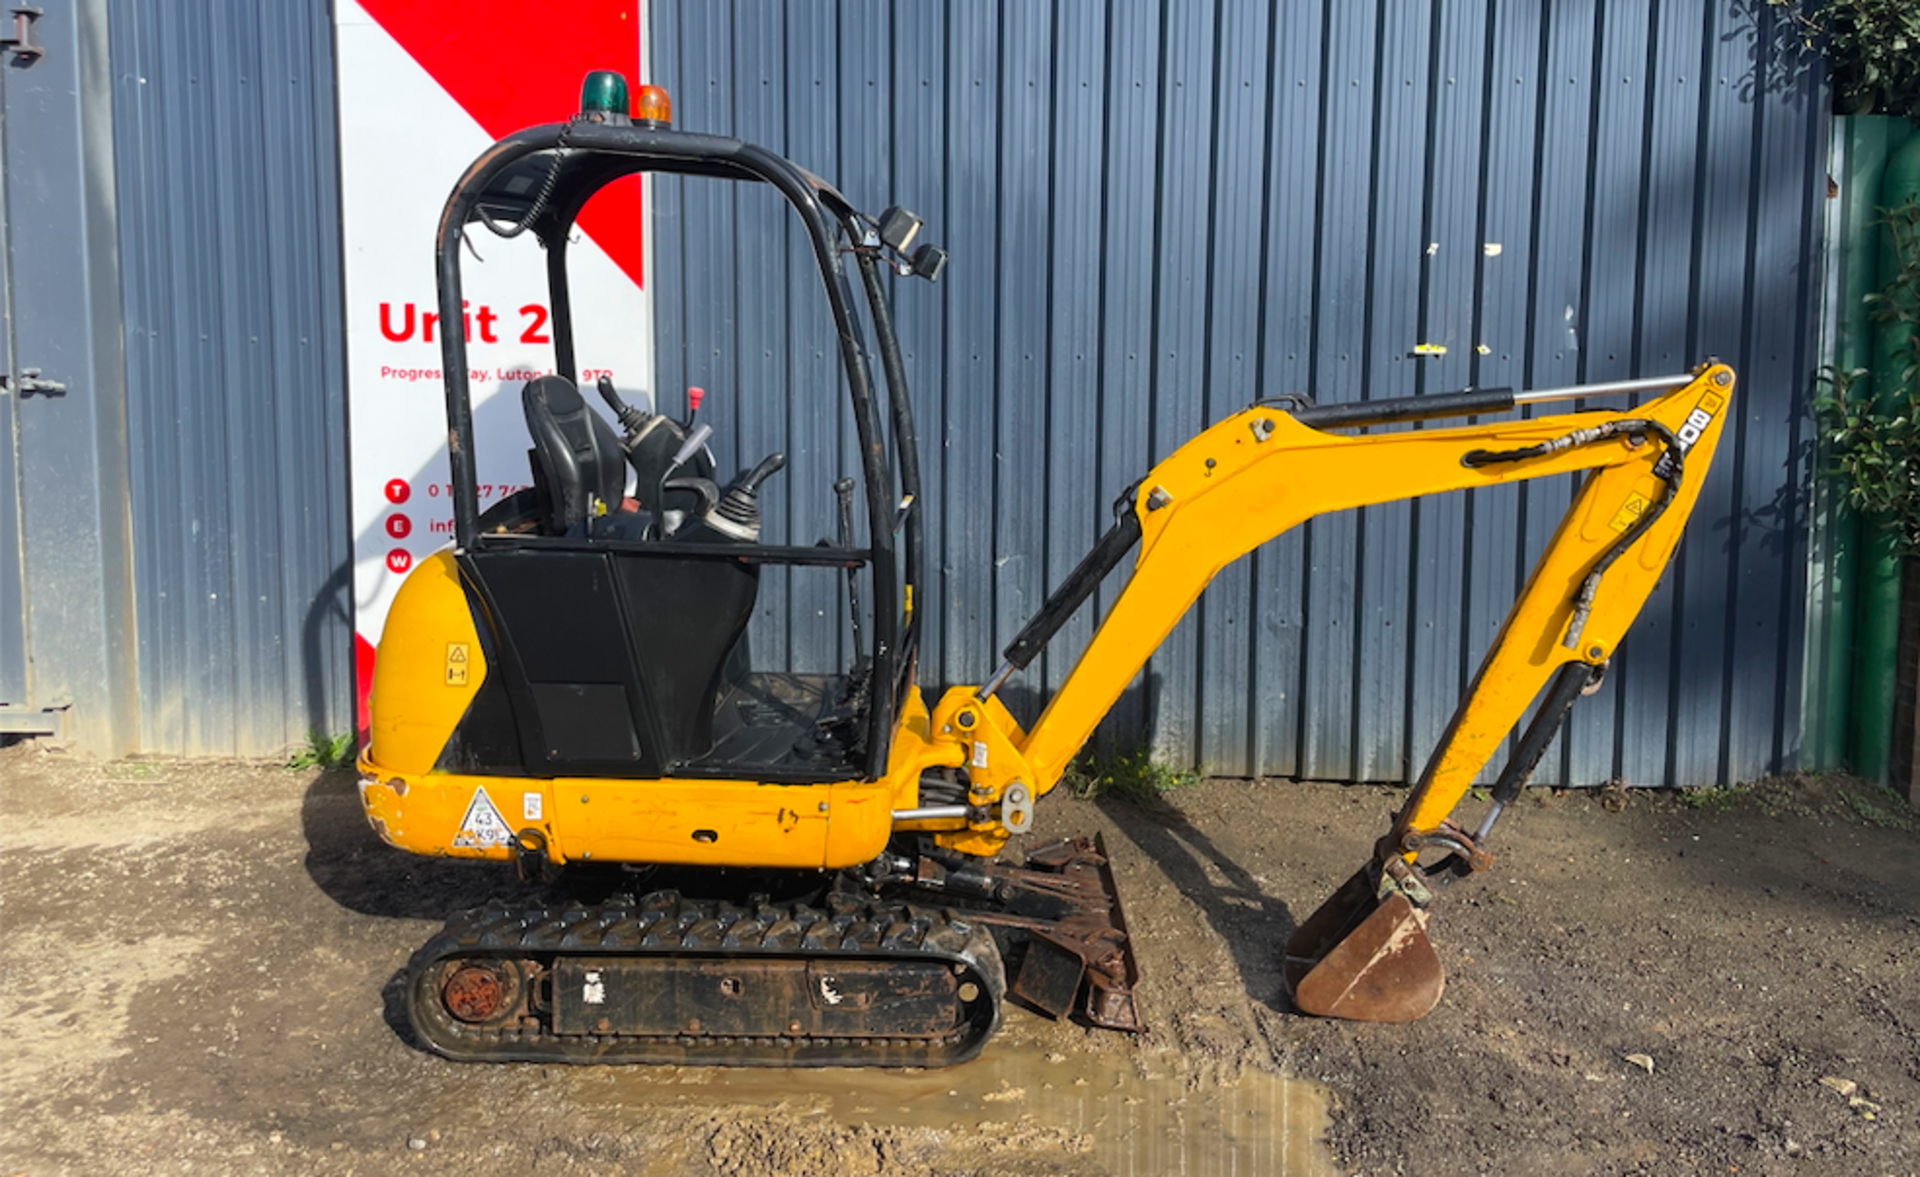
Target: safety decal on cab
<point x="483" y="826"/>
<point x="457" y="660"/>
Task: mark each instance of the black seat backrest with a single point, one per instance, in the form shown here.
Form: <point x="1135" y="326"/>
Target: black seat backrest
<point x="576" y="452"/>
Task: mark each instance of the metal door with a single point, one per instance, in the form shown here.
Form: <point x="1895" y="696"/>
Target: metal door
<point x="18" y="713"/>
<point x="65" y="561"/>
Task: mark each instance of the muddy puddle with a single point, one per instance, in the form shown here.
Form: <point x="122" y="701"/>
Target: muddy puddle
<point x="1124" y="1115"/>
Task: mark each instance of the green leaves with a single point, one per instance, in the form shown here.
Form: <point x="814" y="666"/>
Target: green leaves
<point x="1871" y="438"/>
<point x="1130" y="776"/>
<point x="1870" y="48"/>
<point x="323" y="751"/>
<point x="1872" y="451"/>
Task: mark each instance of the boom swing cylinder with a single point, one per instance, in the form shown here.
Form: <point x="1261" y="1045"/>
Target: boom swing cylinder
<point x="577" y="661"/>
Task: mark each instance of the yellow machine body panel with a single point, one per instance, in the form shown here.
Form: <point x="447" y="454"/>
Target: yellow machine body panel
<point x="428" y="671"/>
<point x="1224" y="493"/>
<point x="431" y="666"/>
<point x="694" y="822"/>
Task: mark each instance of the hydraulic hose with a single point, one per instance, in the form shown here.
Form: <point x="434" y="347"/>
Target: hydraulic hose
<point x="1668" y="469"/>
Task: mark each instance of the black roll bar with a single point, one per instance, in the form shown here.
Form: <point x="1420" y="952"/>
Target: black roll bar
<point x="596" y="155"/>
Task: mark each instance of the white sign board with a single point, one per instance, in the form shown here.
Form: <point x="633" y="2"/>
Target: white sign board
<point x="424" y="87"/>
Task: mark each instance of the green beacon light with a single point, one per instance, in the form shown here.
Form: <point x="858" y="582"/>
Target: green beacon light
<point x="603" y="96"/>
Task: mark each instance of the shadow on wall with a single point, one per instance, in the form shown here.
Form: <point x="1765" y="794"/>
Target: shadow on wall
<point x="332" y="606"/>
<point x="500" y="418"/>
<point x="1777" y="523"/>
<point x="1780" y="52"/>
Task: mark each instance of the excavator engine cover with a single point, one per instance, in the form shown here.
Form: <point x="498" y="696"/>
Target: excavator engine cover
<point x="1363" y="958"/>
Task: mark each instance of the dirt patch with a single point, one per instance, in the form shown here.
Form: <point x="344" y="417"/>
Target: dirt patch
<point x="197" y="966"/>
<point x="1747" y="945"/>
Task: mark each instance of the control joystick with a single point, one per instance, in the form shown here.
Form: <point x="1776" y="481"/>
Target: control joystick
<point x="738" y="514"/>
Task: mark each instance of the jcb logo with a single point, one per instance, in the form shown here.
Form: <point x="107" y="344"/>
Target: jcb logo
<point x="1698" y="420"/>
<point x="1695" y="424"/>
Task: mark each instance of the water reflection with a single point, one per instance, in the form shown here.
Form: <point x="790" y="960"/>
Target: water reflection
<point x="1117" y="1111"/>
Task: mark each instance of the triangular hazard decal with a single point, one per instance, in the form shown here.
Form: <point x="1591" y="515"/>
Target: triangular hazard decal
<point x="483" y="826"/>
<point x="508" y="73"/>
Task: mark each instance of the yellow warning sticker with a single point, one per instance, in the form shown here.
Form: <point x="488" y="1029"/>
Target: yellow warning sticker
<point x="483" y="826"/>
<point x="1629" y="512"/>
<point x="457" y="664"/>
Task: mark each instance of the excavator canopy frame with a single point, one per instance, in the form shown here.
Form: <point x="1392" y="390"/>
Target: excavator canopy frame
<point x="539" y="179"/>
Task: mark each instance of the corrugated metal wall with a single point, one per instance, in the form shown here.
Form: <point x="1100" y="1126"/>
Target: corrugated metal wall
<point x="66" y="576"/>
<point x="1158" y="211"/>
<point x="225" y="155"/>
<point x="1155" y="212"/>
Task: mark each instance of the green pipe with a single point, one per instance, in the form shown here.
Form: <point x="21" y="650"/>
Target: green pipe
<point x="1828" y="715"/>
<point x="1877" y="605"/>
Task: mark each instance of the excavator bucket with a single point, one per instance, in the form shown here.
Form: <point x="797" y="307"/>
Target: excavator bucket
<point x="1363" y="958"/>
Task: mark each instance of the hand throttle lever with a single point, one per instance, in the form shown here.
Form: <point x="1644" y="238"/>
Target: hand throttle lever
<point x="687" y="449"/>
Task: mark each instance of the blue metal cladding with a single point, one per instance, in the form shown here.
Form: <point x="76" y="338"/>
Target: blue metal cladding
<point x="229" y="216"/>
<point x="1159" y="211"/>
<point x="66" y="575"/>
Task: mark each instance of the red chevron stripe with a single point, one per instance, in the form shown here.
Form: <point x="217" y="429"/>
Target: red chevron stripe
<point x="511" y="64"/>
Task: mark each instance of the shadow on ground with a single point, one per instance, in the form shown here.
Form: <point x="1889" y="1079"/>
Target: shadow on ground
<point x="355" y="869"/>
<point x="1255" y="925"/>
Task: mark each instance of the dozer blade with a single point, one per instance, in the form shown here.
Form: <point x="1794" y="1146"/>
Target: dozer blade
<point x="1093" y="931"/>
<point x="1065" y="907"/>
<point x="1363" y="958"/>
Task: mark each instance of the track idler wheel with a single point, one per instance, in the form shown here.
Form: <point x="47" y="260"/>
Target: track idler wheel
<point x="481" y="992"/>
<point x="1364" y="955"/>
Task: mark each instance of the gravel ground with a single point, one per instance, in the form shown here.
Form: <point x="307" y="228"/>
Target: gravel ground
<point x="198" y="965"/>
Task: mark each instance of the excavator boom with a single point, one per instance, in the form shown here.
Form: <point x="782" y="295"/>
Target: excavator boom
<point x="1365" y="954"/>
<point x="1262" y="472"/>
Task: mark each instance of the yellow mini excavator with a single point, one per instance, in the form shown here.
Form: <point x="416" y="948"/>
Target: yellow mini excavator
<point x="568" y="683"/>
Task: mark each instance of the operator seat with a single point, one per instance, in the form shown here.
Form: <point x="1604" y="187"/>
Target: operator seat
<point x="685" y="619"/>
<point x="576" y="456"/>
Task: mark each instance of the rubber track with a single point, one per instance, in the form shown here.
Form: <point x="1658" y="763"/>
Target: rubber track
<point x="667" y="924"/>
